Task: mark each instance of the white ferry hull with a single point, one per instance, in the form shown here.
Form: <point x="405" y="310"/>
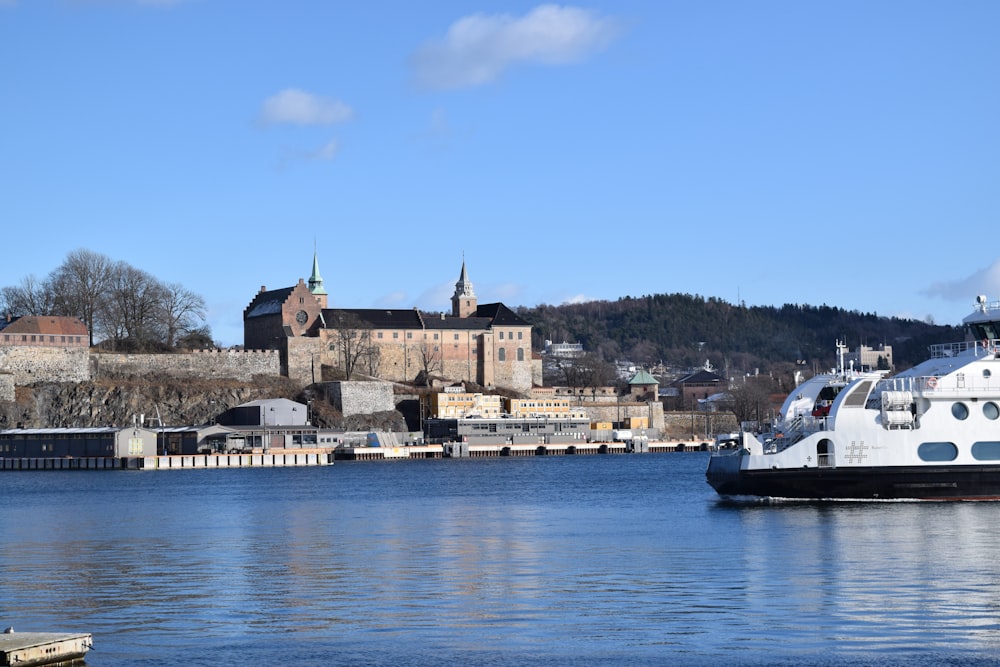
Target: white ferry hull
<point x="972" y="482"/>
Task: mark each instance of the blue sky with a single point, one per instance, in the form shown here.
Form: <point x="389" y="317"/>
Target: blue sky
<point x="842" y="153"/>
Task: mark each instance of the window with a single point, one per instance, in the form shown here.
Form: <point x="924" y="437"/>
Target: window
<point x="435" y="336"/>
<point x="520" y="335"/>
<point x="986" y="451"/>
<point x="937" y="451"/>
<point x="379" y="334"/>
<point x="501" y="355"/>
<point x="501" y="335"/>
<point x="456" y="336"/>
<point x="409" y="334"/>
<point x="395" y="335"/>
<point x="990" y="410"/>
<point x="520" y="354"/>
<point x="959" y="411"/>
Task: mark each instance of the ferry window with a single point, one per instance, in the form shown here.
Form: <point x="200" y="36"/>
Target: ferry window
<point x="986" y="451"/>
<point x="991" y="410"/>
<point x="937" y="451"/>
<point x="959" y="411"/>
<point x="986" y="373"/>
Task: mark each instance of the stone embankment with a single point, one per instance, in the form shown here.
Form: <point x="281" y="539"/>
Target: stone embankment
<point x="121" y="402"/>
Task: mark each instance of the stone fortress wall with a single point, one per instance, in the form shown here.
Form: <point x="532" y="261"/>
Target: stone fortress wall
<point x="22" y="365"/>
<point x="241" y="365"/>
<point x="30" y="364"/>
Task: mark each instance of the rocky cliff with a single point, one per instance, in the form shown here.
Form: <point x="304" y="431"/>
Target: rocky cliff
<point x="123" y="401"/>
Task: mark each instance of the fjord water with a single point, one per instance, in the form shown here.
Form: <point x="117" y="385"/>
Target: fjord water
<point x="597" y="560"/>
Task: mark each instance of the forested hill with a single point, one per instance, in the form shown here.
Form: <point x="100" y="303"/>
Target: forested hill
<point x="686" y="330"/>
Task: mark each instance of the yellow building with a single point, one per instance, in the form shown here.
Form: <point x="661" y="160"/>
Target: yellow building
<point x="542" y="407"/>
<point x="456" y="405"/>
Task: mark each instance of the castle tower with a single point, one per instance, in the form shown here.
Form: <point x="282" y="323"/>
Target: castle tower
<point x="463" y="302"/>
<point x="316" y="283"/>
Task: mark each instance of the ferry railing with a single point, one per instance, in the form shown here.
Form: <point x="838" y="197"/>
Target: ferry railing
<point x="932" y="385"/>
<point x="978" y="347"/>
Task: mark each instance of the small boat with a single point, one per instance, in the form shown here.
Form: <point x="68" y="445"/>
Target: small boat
<point x="931" y="432"/>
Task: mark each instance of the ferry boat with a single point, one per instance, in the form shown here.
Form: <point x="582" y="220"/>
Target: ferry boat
<point x="931" y="432"/>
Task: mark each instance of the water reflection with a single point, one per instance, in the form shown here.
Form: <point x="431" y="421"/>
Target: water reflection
<point x="608" y="560"/>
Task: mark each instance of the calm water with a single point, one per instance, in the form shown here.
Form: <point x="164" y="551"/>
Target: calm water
<point x="610" y="560"/>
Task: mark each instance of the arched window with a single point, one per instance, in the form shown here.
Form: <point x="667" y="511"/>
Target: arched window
<point x="501" y="354"/>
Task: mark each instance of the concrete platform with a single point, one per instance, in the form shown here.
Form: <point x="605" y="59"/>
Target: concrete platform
<point x="27" y="649"/>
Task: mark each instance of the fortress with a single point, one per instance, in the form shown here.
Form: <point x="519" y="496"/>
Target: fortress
<point x="487" y="344"/>
<point x="292" y="332"/>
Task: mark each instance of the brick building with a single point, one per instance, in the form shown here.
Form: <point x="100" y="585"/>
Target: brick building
<point x="487" y="344"/>
<point x="44" y="331"/>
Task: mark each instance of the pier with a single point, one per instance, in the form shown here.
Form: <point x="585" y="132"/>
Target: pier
<point x="326" y="457"/>
<point x="468" y="450"/>
<point x="28" y="649"/>
<point x="177" y="462"/>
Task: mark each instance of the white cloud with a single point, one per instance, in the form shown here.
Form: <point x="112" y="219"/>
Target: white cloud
<point x="298" y="107"/>
<point x="327" y="152"/>
<point x="578" y="298"/>
<point x="397" y="299"/>
<point x="984" y="281"/>
<point x="478" y="48"/>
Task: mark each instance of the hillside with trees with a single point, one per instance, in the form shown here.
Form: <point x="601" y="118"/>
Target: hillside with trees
<point x="685" y="331"/>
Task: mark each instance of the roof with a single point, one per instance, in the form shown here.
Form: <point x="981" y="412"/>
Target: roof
<point x="375" y="317"/>
<point x="452" y="322"/>
<point x="642" y="378"/>
<point x="270" y="402"/>
<point x="47" y="325"/>
<point x="268" y="303"/>
<point x="495" y="314"/>
<point x="500" y="315"/>
<point x="700" y="377"/>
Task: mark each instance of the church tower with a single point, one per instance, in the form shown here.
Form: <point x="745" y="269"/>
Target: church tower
<point x="316" y="283"/>
<point x="463" y="302"/>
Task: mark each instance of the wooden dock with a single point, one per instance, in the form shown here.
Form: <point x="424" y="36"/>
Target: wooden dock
<point x="27" y="649"/>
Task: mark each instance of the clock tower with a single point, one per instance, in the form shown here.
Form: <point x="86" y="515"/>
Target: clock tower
<point x="463" y="302"/>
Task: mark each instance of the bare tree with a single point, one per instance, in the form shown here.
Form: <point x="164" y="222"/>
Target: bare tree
<point x="750" y="401"/>
<point x="81" y="284"/>
<point x="373" y="360"/>
<point x="180" y="311"/>
<point x="429" y="357"/>
<point x="352" y="340"/>
<point x="587" y="370"/>
<point x="129" y="314"/>
<point x="30" y="297"/>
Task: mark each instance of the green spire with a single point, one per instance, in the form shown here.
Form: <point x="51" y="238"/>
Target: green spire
<point x="315" y="280"/>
